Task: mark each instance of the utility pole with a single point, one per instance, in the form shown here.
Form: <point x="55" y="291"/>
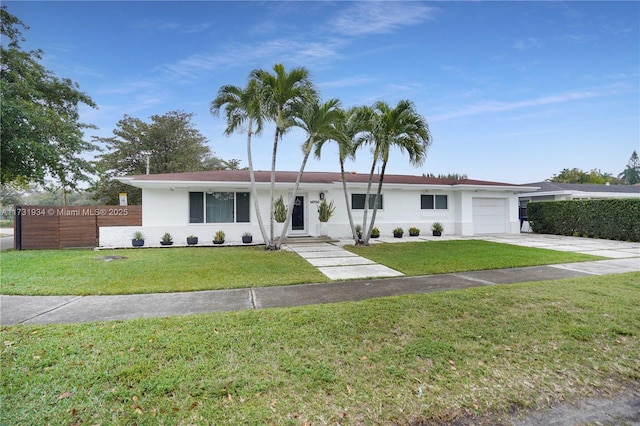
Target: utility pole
<point x="148" y="155"/>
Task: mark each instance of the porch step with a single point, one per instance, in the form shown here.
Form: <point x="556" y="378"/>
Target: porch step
<point x="304" y="239"/>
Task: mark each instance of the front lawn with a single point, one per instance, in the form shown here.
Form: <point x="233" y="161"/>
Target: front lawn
<point x="431" y="357"/>
<point x="78" y="272"/>
<point x="441" y="257"/>
<point x="62" y="272"/>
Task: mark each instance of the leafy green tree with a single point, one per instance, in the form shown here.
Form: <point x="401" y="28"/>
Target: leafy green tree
<point x="42" y="136"/>
<point x="9" y="196"/>
<point x="631" y="174"/>
<point x="216" y="163"/>
<point x="281" y="96"/>
<point x="576" y="175"/>
<point x="385" y="128"/>
<point x="40" y="129"/>
<point x="170" y="143"/>
<point x="450" y="176"/>
<point x="243" y="107"/>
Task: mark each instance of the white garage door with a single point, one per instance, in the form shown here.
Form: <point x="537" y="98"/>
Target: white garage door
<point x="489" y="215"/>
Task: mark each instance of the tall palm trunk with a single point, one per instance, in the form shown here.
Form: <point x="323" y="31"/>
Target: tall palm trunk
<point x="347" y="204"/>
<point x="270" y="245"/>
<point x="366" y="200"/>
<point x="292" y="200"/>
<point x="252" y="177"/>
<point x="375" y="204"/>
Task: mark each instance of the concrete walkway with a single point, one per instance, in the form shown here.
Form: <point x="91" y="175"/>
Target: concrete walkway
<point x="337" y="264"/>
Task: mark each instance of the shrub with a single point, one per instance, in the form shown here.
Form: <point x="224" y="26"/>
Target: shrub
<point x="325" y="211"/>
<point x="607" y="219"/>
<point x="375" y="232"/>
<point x="414" y="232"/>
<point x="279" y="210"/>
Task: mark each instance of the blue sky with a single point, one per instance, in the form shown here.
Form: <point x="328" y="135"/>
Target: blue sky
<point x="512" y="91"/>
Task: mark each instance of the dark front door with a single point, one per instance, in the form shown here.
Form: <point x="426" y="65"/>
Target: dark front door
<point x="297" y="218"/>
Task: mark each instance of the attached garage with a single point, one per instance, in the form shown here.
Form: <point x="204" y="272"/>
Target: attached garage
<point x="489" y="215"/>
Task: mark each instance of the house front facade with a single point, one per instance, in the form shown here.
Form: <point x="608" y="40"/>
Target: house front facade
<point x="201" y="203"/>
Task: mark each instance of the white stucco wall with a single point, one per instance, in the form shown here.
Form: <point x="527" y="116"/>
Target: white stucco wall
<point x="166" y="210"/>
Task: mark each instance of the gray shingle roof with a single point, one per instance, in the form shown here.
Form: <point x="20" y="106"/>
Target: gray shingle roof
<point x="584" y="187"/>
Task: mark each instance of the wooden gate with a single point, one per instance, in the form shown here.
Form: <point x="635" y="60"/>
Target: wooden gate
<point x="55" y="227"/>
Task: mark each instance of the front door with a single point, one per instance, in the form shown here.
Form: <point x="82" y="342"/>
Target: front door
<point x="297" y="217"/>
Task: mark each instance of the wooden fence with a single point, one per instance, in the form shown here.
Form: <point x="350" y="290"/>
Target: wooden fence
<point x="55" y="227"/>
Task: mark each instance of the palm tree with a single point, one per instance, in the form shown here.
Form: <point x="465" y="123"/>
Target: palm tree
<point x="401" y="127"/>
<point x="281" y="96"/>
<point x="346" y="129"/>
<point x="631" y="174"/>
<point x="318" y="121"/>
<point x="243" y="106"/>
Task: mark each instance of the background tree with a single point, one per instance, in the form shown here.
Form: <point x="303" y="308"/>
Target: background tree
<point x="450" y="176"/>
<point x="171" y="141"/>
<point x="576" y="175"/>
<point x="631" y="174"/>
<point x="42" y="136"/>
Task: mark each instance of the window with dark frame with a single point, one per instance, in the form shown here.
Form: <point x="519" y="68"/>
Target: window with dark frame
<point x="431" y="202"/>
<point x="219" y="207"/>
<point x="357" y="201"/>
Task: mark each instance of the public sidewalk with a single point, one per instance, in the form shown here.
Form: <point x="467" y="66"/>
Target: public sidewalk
<point x="373" y="280"/>
<point x="71" y="309"/>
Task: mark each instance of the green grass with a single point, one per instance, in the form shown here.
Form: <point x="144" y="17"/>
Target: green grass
<point x="441" y="257"/>
<point x="481" y="351"/>
<point x="60" y="272"/>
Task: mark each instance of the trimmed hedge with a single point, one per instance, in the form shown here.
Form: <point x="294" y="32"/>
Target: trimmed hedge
<point x="617" y="219"/>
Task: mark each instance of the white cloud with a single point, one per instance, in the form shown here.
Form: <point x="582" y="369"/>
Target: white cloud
<point x="380" y="17"/>
<point x="527" y="43"/>
<point x="347" y="82"/>
<point x="485" y="107"/>
<point x="294" y="52"/>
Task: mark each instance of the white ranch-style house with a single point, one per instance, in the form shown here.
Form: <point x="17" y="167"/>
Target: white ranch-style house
<point x="201" y="203"/>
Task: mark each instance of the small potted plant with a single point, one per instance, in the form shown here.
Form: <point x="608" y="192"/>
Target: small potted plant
<point x="397" y="233"/>
<point x="414" y="232"/>
<point x="137" y="239"/>
<point x="375" y="232"/>
<point x="325" y="211"/>
<point x="247" y="238"/>
<point x="437" y="229"/>
<point x="218" y="238"/>
<point x="166" y="240"/>
<point x="192" y="240"/>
